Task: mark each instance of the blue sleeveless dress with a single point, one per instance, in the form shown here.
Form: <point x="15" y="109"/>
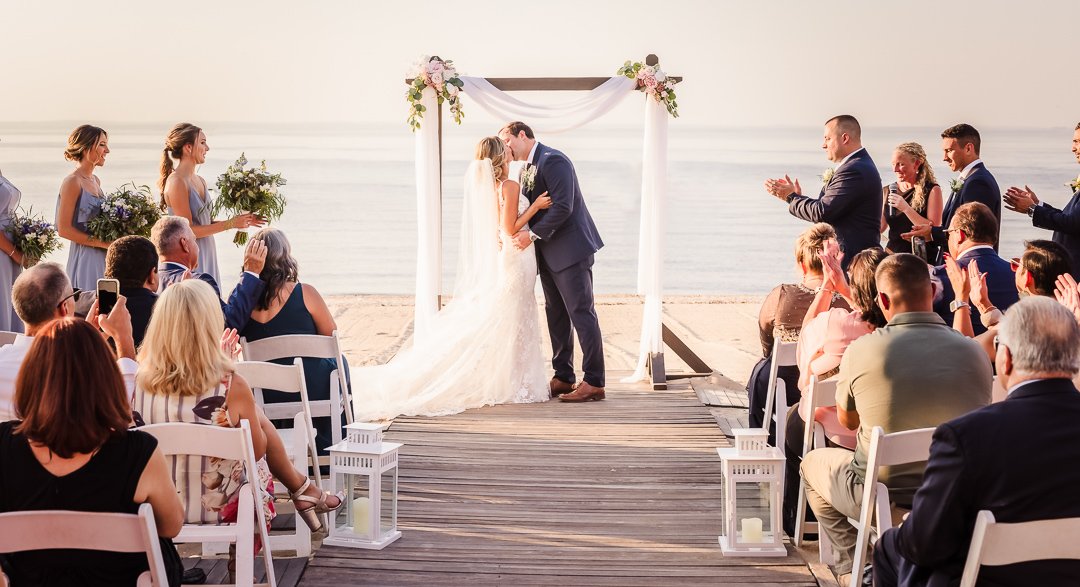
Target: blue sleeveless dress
<point x="294" y="318"/>
<point x="9" y="270"/>
<point x="85" y="264"/>
<point x="200" y="216"/>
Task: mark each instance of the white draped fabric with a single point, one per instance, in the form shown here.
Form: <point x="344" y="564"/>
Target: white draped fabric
<point x="547" y="119"/>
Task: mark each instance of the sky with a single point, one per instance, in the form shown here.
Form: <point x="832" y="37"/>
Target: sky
<point x="766" y="63"/>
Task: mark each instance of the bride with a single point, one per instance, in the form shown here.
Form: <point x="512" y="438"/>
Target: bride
<point x="483" y="348"/>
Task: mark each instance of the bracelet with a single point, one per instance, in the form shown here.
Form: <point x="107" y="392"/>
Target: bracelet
<point x="12" y="253"/>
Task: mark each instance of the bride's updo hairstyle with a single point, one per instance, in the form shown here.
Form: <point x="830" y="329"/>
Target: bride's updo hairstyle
<point x="494" y="149"/>
<point x="182" y="134"/>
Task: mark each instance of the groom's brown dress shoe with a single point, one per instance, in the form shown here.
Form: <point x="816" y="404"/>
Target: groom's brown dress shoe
<point x="584" y="393"/>
<point x="559" y="387"/>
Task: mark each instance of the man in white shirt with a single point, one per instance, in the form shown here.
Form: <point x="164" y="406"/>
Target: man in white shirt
<point x="42" y="294"/>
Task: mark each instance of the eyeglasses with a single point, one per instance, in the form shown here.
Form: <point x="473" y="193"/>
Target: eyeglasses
<point x="998" y="344"/>
<point x="74" y="295"/>
<point x="1014" y="263"/>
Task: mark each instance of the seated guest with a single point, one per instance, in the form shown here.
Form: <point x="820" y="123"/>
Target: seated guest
<point x="71" y="450"/>
<point x="179" y="251"/>
<point x="133" y="261"/>
<point x="825" y="337"/>
<point x="915" y="372"/>
<point x="970" y="236"/>
<point x="913" y="199"/>
<point x="42" y="294"/>
<point x="781" y="317"/>
<point x="289" y="307"/>
<point x="185" y="376"/>
<point x="1019" y="458"/>
<point x="1065" y="222"/>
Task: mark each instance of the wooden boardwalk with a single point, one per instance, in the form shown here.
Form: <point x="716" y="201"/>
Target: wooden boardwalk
<point x="620" y="492"/>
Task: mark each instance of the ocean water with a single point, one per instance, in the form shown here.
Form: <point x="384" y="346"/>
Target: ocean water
<point x="351" y="215"/>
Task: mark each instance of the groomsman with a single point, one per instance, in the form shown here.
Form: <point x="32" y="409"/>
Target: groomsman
<point x="975" y="183"/>
<point x="850" y="197"/>
<point x="1065" y="222"/>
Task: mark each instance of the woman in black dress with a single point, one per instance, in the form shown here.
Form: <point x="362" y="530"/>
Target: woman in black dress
<point x="914" y="198"/>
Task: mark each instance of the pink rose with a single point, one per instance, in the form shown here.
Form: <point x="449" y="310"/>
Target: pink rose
<point x="437" y="77"/>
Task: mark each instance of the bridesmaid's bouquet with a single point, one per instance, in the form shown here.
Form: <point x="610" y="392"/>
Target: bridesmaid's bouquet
<point x="33" y="236"/>
<point x="130" y="210"/>
<point x="251" y="190"/>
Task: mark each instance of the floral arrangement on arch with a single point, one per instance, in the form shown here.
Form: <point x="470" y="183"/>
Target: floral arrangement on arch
<point x="33" y="236"/>
<point x="130" y="210"/>
<point x="653" y="81"/>
<point x="440" y="75"/>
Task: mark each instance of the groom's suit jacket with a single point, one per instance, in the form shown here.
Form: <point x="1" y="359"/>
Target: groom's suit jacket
<point x="566" y="230"/>
<point x="850" y="202"/>
<point x="1066" y="226"/>
<point x="242" y="300"/>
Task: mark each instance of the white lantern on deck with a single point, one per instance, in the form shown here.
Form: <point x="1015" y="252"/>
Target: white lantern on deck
<point x="753" y="493"/>
<point x="365" y="469"/>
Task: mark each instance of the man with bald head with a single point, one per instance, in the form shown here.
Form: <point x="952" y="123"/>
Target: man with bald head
<point x="850" y="197"/>
<point x="915" y="372"/>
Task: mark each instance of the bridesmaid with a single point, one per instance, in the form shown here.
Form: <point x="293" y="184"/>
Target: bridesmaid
<point x="79" y="201"/>
<point x="185" y="194"/>
<point x="11" y="267"/>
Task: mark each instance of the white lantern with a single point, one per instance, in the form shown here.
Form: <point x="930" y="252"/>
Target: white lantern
<point x="753" y="494"/>
<point x="366" y="469"/>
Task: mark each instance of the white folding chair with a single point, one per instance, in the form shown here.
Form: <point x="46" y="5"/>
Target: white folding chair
<point x="299" y="441"/>
<point x="225" y="443"/>
<point x="886" y="450"/>
<point x="822" y="394"/>
<point x="781" y="410"/>
<point x="783" y="355"/>
<point x="7" y="337"/>
<point x="995" y="544"/>
<point x="40" y="530"/>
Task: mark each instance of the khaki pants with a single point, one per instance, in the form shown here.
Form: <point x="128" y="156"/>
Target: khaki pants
<point x="835" y="494"/>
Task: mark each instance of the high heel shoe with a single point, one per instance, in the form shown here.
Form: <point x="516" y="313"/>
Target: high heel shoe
<point x="310" y="515"/>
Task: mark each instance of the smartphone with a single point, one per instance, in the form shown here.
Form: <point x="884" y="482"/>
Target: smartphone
<point x="108" y="291"/>
<point x="918" y="247"/>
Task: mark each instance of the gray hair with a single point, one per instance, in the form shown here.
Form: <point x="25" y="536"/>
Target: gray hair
<point x="38" y="291"/>
<point x="1042" y="336"/>
<point x="167" y="232"/>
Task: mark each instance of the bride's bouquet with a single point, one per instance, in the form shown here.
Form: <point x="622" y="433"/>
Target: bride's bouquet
<point x="33" y="236"/>
<point x="253" y="190"/>
<point x="130" y="210"/>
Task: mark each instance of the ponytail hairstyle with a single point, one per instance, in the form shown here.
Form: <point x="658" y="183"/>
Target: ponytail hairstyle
<point x="182" y="134"/>
<point x="492" y="148"/>
<point x="924" y="178"/>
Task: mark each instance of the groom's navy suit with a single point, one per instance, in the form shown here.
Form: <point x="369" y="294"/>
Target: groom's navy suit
<point x="565" y="244"/>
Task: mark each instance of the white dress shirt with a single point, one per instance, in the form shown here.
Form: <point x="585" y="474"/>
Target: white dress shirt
<point x="849" y="156"/>
<point x="11" y="360"/>
<point x="529" y="161"/>
<point x="965" y="172"/>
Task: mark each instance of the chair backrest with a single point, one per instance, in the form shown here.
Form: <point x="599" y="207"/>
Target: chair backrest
<point x="783" y="355"/>
<point x="284" y="378"/>
<point x="40" y="530"/>
<point x="304" y="345"/>
<point x="822" y="394"/>
<point x="7" y="337"/>
<point x="995" y="544"/>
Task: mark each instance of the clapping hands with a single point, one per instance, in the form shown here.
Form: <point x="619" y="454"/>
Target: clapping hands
<point x="1020" y="200"/>
<point x="230" y="343"/>
<point x="1066" y="292"/>
<point x="783" y="188"/>
<point x="958" y="277"/>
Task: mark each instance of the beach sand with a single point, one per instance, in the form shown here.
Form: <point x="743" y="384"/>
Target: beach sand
<point x="722" y="330"/>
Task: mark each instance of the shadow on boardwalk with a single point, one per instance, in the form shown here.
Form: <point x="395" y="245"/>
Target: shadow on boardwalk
<point x="620" y="492"/>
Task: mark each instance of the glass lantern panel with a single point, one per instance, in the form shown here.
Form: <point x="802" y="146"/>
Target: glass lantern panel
<point x="388" y="513"/>
<point x="753" y="513"/>
<point x="355" y="516"/>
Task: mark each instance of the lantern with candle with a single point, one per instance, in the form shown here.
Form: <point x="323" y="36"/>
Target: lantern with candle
<point x="366" y="469"/>
<point x="753" y="477"/>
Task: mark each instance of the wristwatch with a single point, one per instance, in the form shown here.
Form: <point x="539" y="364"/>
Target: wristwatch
<point x="957" y="304"/>
<point x="1031" y="211"/>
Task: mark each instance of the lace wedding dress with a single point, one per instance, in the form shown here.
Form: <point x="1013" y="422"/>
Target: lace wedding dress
<point x="483" y="348"/>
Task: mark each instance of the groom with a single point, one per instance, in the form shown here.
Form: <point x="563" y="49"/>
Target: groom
<point x="565" y="239"/>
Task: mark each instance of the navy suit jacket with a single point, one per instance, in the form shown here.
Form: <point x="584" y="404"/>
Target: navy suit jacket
<point x="850" y="202"/>
<point x="980" y="186"/>
<point x="1000" y="281"/>
<point x="140" y="304"/>
<point x="566" y="230"/>
<point x="1066" y="226"/>
<point x="242" y="300"/>
<point x="1020" y="459"/>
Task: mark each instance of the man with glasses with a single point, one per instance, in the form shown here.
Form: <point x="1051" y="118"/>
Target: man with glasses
<point x="971" y="235"/>
<point x="42" y="294"/>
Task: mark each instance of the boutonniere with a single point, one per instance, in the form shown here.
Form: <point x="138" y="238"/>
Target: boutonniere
<point x="1074" y="185"/>
<point x="956" y="184"/>
<point x="527" y="179"/>
<point x="826" y="176"/>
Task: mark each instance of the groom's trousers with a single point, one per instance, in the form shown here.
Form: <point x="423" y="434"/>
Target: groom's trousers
<point x="568" y="296"/>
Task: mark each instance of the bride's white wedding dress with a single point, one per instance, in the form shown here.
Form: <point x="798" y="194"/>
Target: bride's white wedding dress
<point x="484" y="347"/>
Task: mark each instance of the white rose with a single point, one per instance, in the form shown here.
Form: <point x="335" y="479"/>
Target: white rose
<point x="453" y="90"/>
<point x="649" y="70"/>
<point x="660" y="76"/>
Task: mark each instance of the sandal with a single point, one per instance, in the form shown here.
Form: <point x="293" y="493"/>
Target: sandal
<point x="310" y="515"/>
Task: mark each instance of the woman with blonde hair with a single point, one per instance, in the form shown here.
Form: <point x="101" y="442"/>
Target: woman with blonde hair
<point x="483" y="348"/>
<point x="79" y="201"/>
<point x="914" y="198"/>
<point x="185" y="193"/>
<point x="185" y="376"/>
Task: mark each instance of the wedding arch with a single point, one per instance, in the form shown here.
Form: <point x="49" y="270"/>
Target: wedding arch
<point x="604" y="93"/>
